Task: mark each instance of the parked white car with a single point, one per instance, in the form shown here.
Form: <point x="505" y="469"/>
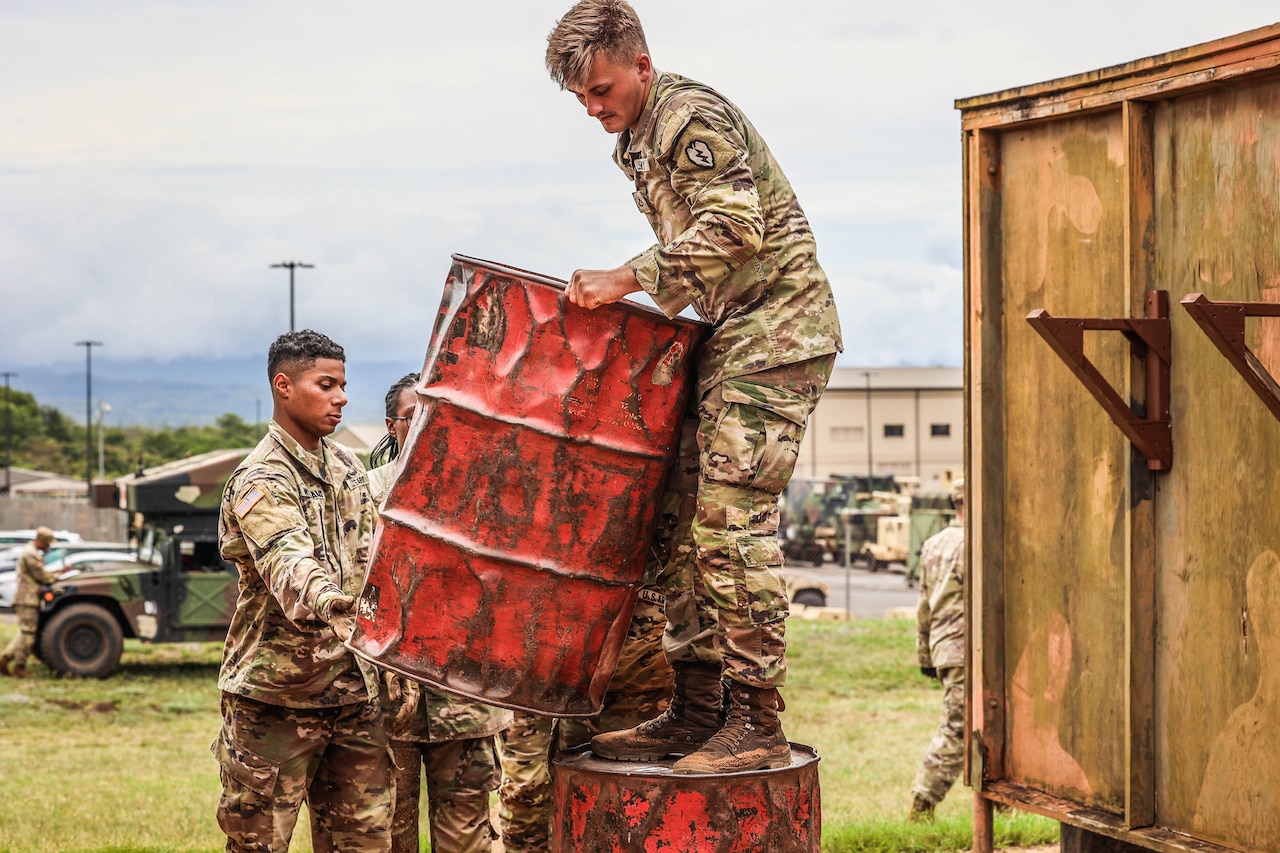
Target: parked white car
<point x="69" y="559"/>
<point x="22" y="537"/>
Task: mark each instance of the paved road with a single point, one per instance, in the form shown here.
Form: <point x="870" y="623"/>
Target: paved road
<point x="867" y="595"/>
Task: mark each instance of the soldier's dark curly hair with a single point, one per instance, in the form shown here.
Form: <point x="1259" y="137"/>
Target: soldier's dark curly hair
<point x="388" y="448"/>
<point x="297" y="351"/>
<point x="590" y="28"/>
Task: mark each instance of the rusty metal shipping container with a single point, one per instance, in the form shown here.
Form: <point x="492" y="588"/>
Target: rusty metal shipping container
<point x="514" y="538"/>
<point x="1122" y="273"/>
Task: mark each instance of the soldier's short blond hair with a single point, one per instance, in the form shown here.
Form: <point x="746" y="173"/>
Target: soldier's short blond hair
<point x="591" y="28"/>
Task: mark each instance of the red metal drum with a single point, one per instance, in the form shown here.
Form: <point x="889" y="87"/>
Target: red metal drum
<point x="619" y="807"/>
<point x="513" y="541"/>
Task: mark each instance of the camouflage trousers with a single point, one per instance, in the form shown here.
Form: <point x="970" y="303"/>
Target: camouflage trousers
<point x="24" y="642"/>
<point x="459" y="776"/>
<point x="273" y="758"/>
<point x="639" y="690"/>
<point x="945" y="759"/>
<point x="716" y="551"/>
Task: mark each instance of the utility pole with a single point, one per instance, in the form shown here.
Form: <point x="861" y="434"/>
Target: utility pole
<point x="870" y="470"/>
<point x="8" y="429"/>
<point x="88" y="414"/>
<point x="291" y="266"/>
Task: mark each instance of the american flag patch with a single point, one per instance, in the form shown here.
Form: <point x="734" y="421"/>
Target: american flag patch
<point x="248" y="502"/>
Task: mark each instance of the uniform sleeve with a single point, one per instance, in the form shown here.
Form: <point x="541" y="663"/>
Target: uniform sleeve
<point x="37" y="572"/>
<point x="924" y="614"/>
<point x="273" y="521"/>
<point x="707" y="162"/>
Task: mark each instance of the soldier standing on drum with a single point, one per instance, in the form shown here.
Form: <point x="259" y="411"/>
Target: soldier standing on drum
<point x="734" y="244"/>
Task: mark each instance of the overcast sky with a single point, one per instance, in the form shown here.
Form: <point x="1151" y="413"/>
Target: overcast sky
<point x="157" y="157"/>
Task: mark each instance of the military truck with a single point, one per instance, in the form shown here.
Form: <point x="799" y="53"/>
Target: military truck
<point x="899" y="537"/>
<point x="179" y="590"/>
<point x="816" y="513"/>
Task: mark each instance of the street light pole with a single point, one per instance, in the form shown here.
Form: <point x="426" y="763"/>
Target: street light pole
<point x="291" y="266"/>
<point x="870" y="470"/>
<point x="88" y="413"/>
<point x="8" y="429"/>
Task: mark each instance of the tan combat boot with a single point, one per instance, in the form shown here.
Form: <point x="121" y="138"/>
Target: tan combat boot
<point x="694" y="715"/>
<point x="20" y="671"/>
<point x="751" y="739"/>
<point x="5" y="660"/>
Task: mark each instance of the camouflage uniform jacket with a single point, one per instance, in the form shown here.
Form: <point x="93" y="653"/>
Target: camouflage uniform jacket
<point x="940" y="616"/>
<point x="440" y="716"/>
<point x="732" y="239"/>
<point x="31" y="574"/>
<point x="296" y="527"/>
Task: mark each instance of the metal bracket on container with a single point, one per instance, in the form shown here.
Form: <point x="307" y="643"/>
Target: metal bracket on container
<point x="1223" y="323"/>
<point x="1149" y="336"/>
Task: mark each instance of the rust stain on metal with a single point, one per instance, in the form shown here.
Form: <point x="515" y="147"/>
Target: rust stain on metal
<point x="512" y="543"/>
<point x="621" y="806"/>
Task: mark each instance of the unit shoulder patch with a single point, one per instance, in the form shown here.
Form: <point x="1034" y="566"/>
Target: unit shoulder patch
<point x="700" y="154"/>
<point x="702" y="150"/>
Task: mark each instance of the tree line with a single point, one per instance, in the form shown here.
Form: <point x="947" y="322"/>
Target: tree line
<point x="44" y="439"/>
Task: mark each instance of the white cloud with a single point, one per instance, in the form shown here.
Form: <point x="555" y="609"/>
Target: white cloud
<point x="161" y="156"/>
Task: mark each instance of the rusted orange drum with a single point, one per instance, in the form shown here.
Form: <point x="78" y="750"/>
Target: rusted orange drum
<point x="618" y="807"/>
<point x="513" y="541"/>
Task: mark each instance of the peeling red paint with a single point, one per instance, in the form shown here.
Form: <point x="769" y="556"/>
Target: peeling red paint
<point x="515" y="535"/>
<point x="606" y="805"/>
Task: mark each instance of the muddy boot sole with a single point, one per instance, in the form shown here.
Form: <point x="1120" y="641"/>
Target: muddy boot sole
<point x="695" y="763"/>
<point x="609" y="747"/>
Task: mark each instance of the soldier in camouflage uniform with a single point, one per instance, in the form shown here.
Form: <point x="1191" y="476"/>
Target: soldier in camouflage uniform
<point x="300" y="713"/>
<point x="26" y="601"/>
<point x="638" y="691"/>
<point x="452" y="738"/>
<point x="940" y="648"/>
<point x="734" y="244"/>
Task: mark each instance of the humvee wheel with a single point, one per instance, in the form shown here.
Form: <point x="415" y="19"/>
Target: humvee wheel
<point x="811" y="598"/>
<point x="82" y="640"/>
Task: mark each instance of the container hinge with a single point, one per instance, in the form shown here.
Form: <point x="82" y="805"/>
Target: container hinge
<point x="1148" y="336"/>
<point x="1223" y="323"/>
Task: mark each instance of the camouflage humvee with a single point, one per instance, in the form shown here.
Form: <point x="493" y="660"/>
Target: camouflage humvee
<point x="179" y="589"/>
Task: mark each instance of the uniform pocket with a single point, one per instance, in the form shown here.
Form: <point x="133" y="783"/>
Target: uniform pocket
<point x="763" y="594"/>
<point x="246" y="767"/>
<point x="758" y="435"/>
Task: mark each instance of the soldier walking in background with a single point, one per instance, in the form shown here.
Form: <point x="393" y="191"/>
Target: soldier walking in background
<point x="734" y="244"/>
<point x="300" y="713"/>
<point x="31" y="575"/>
<point x="450" y="738"/>
<point x="940" y="647"/>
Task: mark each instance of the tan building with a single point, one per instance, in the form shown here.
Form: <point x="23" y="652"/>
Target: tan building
<point x="915" y="417"/>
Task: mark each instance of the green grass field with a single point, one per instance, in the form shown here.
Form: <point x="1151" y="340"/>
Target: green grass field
<point x="124" y="764"/>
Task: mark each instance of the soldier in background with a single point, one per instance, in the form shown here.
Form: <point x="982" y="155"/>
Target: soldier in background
<point x="451" y="738"/>
<point x="940" y="647"/>
<point x="733" y="244"/>
<point x="300" y="713"/>
<point x="26" y="601"/>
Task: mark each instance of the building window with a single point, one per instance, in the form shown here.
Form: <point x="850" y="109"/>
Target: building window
<point x="846" y="433"/>
<point x="940" y="430"/>
<point x="894" y="431"/>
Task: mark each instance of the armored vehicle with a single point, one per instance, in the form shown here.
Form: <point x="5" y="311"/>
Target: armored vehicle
<point x="179" y="589"/>
<point x="817" y="512"/>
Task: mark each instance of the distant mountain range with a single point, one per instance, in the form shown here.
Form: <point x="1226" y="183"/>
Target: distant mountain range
<point x="190" y="392"/>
